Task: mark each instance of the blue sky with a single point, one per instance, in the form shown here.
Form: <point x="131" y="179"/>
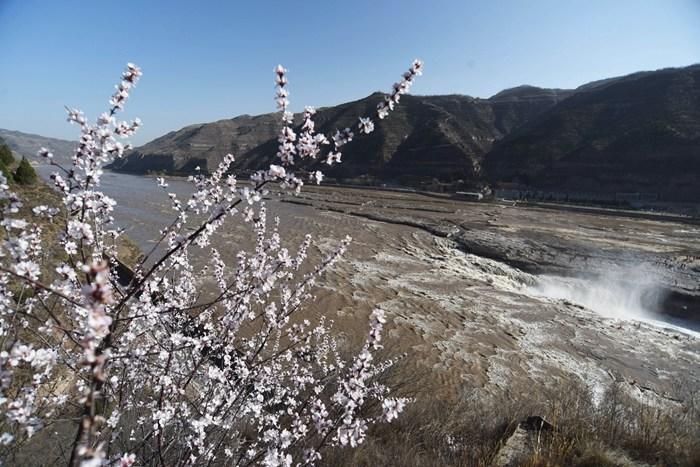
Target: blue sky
<point x="206" y="60"/>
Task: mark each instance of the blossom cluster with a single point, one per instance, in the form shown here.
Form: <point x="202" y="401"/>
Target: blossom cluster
<point x="155" y="365"/>
<point x="400" y="88"/>
<point x="307" y="144"/>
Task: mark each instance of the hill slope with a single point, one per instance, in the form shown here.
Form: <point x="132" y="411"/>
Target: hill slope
<point x="444" y="137"/>
<point x="27" y="145"/>
<point x="639" y="133"/>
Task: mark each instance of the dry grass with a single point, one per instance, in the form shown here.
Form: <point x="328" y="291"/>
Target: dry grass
<point x="618" y="431"/>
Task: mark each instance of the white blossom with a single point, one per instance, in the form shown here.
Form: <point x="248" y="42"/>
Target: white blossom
<point x="366" y="125"/>
<point x="29" y="269"/>
<point x="127" y="460"/>
<point x="392" y="408"/>
<point x="45" y="153"/>
<point x="174" y="363"/>
<point x="316" y="177"/>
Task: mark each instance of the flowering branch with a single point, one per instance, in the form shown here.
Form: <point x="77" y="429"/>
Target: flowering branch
<point x="162" y="368"/>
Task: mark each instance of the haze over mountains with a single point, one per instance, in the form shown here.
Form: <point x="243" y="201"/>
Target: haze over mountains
<point x="636" y="133"/>
<point x="27" y="145"/>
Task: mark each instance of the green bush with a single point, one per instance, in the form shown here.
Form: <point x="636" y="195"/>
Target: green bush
<point x="6" y="171"/>
<point x="6" y="155"/>
<point x="25" y="173"/>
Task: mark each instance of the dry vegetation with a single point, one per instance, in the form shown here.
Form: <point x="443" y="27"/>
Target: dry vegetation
<point x="616" y="430"/>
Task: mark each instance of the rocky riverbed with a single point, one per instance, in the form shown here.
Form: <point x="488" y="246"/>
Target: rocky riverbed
<point x="490" y="297"/>
<point x="493" y="296"/>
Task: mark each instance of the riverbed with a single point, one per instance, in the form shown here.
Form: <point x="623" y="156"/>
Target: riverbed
<point x="487" y="296"/>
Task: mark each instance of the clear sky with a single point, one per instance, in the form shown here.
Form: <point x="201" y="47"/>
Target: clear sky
<point x="208" y="60"/>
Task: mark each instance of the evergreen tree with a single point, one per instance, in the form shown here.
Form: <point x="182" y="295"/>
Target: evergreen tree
<point x="6" y="155"/>
<point x="25" y="173"/>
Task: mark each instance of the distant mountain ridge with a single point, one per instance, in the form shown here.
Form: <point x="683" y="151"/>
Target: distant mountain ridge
<point x="634" y="133"/>
<point x="443" y="137"/>
<point x="27" y="145"/>
<point x="639" y="133"/>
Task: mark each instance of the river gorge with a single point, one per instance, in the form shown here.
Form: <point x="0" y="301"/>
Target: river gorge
<point x="486" y="296"/>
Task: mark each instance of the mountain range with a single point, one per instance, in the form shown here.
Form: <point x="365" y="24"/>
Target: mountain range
<point x="639" y="133"/>
<point x="635" y="133"/>
<point x="425" y="138"/>
<point x="27" y="145"/>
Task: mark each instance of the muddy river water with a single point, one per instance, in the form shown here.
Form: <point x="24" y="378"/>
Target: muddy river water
<point x="488" y="295"/>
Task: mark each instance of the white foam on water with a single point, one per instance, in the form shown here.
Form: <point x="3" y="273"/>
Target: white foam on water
<point x="630" y="294"/>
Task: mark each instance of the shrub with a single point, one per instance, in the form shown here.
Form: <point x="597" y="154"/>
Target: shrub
<point x="152" y="368"/>
<point x="619" y="431"/>
<point x="6" y="171"/>
<point x="6" y="157"/>
<point x="25" y="173"/>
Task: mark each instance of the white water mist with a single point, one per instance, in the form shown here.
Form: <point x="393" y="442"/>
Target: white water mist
<point x="630" y="293"/>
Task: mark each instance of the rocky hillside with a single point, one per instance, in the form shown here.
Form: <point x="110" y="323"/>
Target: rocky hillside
<point x="427" y="137"/>
<point x="632" y="134"/>
<point x="27" y="145"/>
<point x="639" y="133"/>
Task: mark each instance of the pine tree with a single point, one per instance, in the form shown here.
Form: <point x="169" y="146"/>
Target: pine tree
<point x="25" y="173"/>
